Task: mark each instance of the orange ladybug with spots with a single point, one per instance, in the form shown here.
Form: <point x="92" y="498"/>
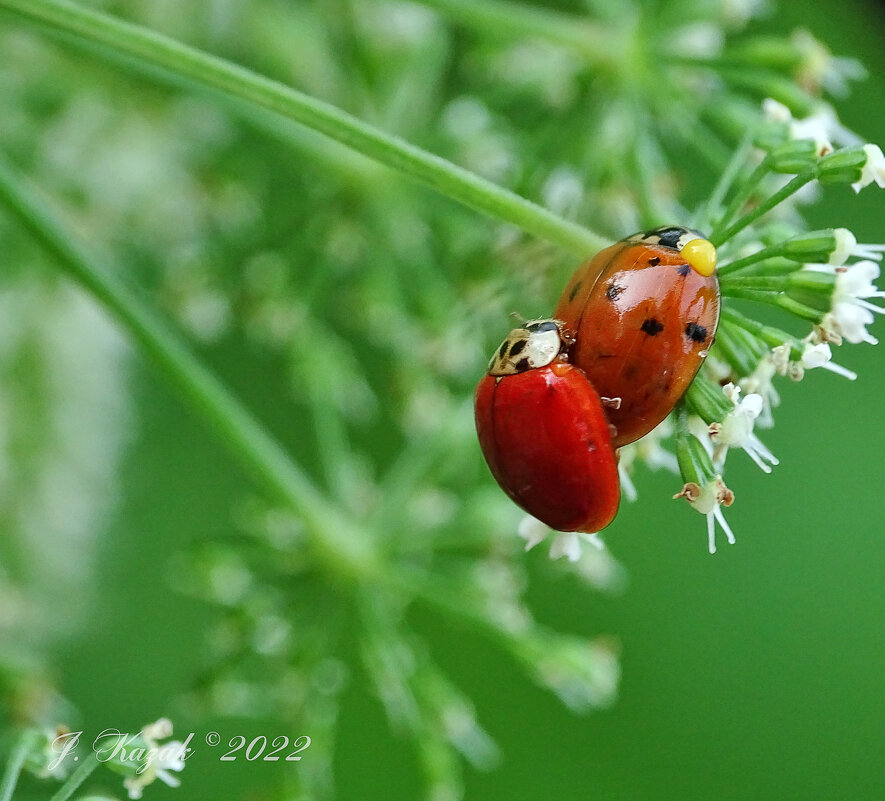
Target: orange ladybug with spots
<point x="643" y="313"/>
<point x="631" y="330"/>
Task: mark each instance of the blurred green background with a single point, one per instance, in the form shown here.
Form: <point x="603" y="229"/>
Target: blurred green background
<point x="756" y="673"/>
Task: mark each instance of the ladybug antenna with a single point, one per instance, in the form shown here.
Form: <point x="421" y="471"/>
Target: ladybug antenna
<point x="519" y="318"/>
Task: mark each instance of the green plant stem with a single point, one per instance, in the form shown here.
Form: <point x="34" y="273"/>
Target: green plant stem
<point x="740" y="198"/>
<point x="707" y="400"/>
<point x="739" y="264"/>
<point x="14" y="766"/>
<point x="773" y="337"/>
<point x="236" y="427"/>
<point x="767" y="205"/>
<point x="153" y="50"/>
<point x="345" y="551"/>
<point x="770" y="283"/>
<point x="752" y="293"/>
<point x="595" y="44"/>
<point x="76" y="779"/>
<point x="733" y="345"/>
<point x="726" y="180"/>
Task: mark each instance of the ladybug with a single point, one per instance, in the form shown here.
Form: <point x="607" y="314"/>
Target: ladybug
<point x="644" y="313"/>
<point x="543" y="431"/>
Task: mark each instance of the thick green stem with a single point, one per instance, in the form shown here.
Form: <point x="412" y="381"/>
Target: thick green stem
<point x="153" y="50"/>
<point x="694" y="463"/>
<point x="236" y="427"/>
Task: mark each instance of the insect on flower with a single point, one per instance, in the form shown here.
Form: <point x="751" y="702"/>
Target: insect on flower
<point x="544" y="433"/>
<point x="554" y="405"/>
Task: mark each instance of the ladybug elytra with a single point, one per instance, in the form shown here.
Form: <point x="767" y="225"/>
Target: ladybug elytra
<point x="644" y="313"/>
<point x="543" y="432"/>
<point x="629" y="333"/>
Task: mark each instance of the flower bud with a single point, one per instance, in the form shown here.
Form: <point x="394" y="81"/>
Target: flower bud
<point x="844" y="166"/>
<point x="794" y="156"/>
<point x="814" y="246"/>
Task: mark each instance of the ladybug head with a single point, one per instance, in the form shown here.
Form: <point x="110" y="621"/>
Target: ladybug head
<point x="698" y="252"/>
<point x="536" y="344"/>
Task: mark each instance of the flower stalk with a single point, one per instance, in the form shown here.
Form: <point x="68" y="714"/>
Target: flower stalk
<point x="241" y="433"/>
<point x="83" y="772"/>
<point x="149" y="49"/>
<point x="14" y="765"/>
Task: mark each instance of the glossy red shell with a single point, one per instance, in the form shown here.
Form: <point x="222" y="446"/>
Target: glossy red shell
<point x="643" y="322"/>
<point x="548" y="444"/>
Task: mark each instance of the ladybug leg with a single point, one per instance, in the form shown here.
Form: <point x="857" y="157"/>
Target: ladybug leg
<point x="569" y="336"/>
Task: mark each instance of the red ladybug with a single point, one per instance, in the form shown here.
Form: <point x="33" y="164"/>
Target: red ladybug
<point x="543" y="432"/>
<point x="644" y="312"/>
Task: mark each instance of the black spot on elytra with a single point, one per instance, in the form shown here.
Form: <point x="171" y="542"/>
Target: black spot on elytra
<point x="574" y="292"/>
<point x="652" y="327"/>
<point x="654" y="261"/>
<point x="683" y="269"/>
<point x="695" y="332"/>
<point x="522" y="365"/>
<point x="518" y="347"/>
<point x="613" y="290"/>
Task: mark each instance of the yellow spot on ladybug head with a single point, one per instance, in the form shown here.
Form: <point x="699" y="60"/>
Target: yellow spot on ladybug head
<point x="700" y="255"/>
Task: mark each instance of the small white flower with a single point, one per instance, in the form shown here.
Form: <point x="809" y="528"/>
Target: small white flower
<point x="847" y="247"/>
<point x="700" y="39"/>
<point x="820" y="355"/>
<point x="709" y="500"/>
<point x="736" y="430"/>
<point x="823" y="126"/>
<point x="162" y="759"/>
<point x="158" y="730"/>
<point x="532" y="531"/>
<point x="815" y="354"/>
<point x="775" y="111"/>
<point x="760" y="382"/>
<point x="627" y="485"/>
<point x="565" y="543"/>
<point x="817" y="127"/>
<point x="820" y="69"/>
<point x="852" y="312"/>
<point x="873" y="169"/>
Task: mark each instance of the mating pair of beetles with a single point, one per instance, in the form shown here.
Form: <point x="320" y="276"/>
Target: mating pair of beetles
<point x="630" y="331"/>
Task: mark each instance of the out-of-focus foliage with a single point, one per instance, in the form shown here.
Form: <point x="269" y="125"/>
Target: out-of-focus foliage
<point x="353" y="311"/>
